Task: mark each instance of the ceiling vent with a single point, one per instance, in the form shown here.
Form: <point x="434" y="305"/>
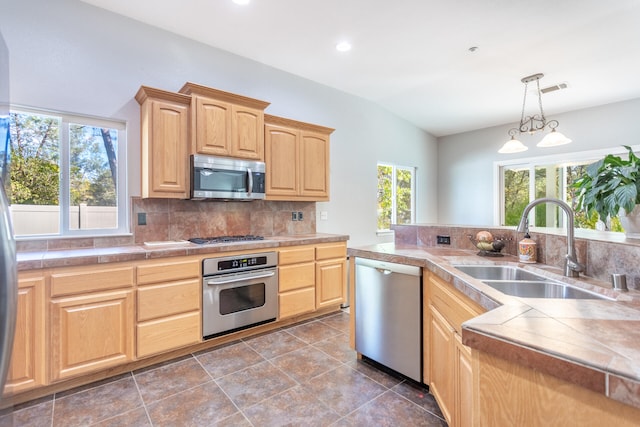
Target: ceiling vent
<point x="554" y="88"/>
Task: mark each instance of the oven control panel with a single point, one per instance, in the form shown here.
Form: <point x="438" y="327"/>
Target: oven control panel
<point x="230" y="264"/>
<point x="242" y="263"/>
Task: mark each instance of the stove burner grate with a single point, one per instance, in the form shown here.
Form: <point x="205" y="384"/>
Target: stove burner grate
<point x="224" y="239"/>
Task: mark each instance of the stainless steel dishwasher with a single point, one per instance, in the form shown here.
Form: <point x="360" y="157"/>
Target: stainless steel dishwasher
<point x="388" y="311"/>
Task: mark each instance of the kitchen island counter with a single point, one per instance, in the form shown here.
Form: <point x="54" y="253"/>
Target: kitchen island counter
<point x="590" y="343"/>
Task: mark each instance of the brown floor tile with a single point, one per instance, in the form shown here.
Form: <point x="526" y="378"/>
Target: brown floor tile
<point x="418" y="395"/>
<point x="305" y="363"/>
<point x="313" y="331"/>
<point x="304" y="374"/>
<point x="235" y="420"/>
<point x="254" y="384"/>
<point x="226" y="360"/>
<point x="156" y="384"/>
<point x="391" y="409"/>
<point x="96" y="404"/>
<point x="199" y="406"/>
<point x="295" y="407"/>
<point x="371" y="371"/>
<point x="31" y="416"/>
<point x="339" y="321"/>
<point x="137" y="417"/>
<point x="275" y="344"/>
<point x="338" y="348"/>
<point x="344" y="389"/>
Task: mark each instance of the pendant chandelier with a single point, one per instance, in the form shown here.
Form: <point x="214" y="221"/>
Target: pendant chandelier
<point x="534" y="123"/>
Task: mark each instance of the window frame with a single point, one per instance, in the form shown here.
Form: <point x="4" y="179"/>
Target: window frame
<point x="394" y="211"/>
<point x="122" y="189"/>
<point x="532" y="163"/>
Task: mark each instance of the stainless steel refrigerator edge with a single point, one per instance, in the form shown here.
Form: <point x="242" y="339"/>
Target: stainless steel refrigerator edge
<point x="8" y="270"/>
<point x="388" y="315"/>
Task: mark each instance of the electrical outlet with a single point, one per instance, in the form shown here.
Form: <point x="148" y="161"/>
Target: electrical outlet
<point x="142" y="218"/>
<point x="300" y="216"/>
<point x="324" y="215"/>
<point x="294" y="216"/>
<point x="443" y="240"/>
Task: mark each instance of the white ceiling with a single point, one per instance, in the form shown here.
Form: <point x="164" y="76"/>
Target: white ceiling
<point x="412" y="56"/>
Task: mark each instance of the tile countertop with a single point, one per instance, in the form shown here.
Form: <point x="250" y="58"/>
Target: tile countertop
<point x="592" y="343"/>
<point x="88" y="256"/>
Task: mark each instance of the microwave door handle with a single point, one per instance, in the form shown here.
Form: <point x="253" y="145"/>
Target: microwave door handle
<point x="240" y="278"/>
<point x="250" y="180"/>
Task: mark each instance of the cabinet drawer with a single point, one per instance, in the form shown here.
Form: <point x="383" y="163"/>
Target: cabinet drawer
<point x="297" y="302"/>
<point x="164" y="300"/>
<point x="296" y="255"/>
<point x="168" y="333"/>
<point x="89" y="279"/>
<point x="338" y="250"/>
<point x="296" y="276"/>
<point x="168" y="271"/>
<point x="455" y="307"/>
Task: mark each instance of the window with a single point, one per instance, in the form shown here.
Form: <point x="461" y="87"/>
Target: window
<point x="522" y="181"/>
<point x="68" y="174"/>
<point x="396" y="195"/>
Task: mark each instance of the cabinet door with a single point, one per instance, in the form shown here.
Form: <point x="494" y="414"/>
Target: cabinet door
<point x="27" y="369"/>
<point x="465" y="384"/>
<point x="314" y="169"/>
<point x="331" y="276"/>
<point x="247" y="132"/>
<point x="442" y="363"/>
<point x="91" y="332"/>
<point x="281" y="147"/>
<point x="167" y="153"/>
<point x="212" y="126"/>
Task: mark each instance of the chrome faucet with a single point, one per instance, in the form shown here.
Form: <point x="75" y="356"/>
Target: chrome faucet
<point x="572" y="267"/>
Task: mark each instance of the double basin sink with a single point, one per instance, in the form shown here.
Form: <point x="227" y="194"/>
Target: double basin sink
<point x="518" y="282"/>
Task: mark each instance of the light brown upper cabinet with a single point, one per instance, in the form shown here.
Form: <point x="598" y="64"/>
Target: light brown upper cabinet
<point x="164" y="134"/>
<point x="297" y="159"/>
<point x="225" y="124"/>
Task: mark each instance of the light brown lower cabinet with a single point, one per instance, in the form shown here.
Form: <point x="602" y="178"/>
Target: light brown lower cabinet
<point x="514" y="395"/>
<point x="91" y="332"/>
<point x="168" y="305"/>
<point x="331" y="274"/>
<point x="311" y="277"/>
<point x="28" y="361"/>
<point x="296" y="281"/>
<point x="452" y="374"/>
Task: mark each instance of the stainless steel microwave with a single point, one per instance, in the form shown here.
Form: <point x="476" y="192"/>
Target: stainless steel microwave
<point x="227" y="179"/>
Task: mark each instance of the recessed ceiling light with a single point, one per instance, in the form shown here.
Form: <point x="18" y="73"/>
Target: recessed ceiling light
<point x="241" y="2"/>
<point x="343" y="46"/>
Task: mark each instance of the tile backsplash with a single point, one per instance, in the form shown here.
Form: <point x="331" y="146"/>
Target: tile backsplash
<point x="169" y="219"/>
<point x="183" y="219"/>
<point x="600" y="257"/>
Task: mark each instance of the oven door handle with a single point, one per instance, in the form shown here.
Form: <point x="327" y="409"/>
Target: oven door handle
<point x="241" y="278"/>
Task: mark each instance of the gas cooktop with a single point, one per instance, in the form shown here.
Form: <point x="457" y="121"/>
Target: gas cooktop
<point x="224" y="239"/>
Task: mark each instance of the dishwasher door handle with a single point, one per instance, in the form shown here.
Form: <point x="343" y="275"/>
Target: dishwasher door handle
<point x="384" y="271"/>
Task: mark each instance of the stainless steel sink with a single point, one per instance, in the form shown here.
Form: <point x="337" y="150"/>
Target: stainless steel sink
<point x="498" y="272"/>
<point x="521" y="283"/>
<point x="537" y="289"/>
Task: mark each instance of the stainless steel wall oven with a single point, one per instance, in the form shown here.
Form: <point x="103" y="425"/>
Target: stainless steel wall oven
<point x="238" y="292"/>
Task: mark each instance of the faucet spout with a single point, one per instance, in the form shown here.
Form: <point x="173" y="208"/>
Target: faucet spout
<point x="572" y="267"/>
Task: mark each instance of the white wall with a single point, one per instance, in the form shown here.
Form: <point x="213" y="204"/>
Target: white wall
<point x="465" y="160"/>
<point x="70" y="56"/>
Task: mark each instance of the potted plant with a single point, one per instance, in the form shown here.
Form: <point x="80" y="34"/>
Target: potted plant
<point x="611" y="187"/>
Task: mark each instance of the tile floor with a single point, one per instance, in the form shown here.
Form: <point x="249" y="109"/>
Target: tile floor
<point x="301" y="375"/>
